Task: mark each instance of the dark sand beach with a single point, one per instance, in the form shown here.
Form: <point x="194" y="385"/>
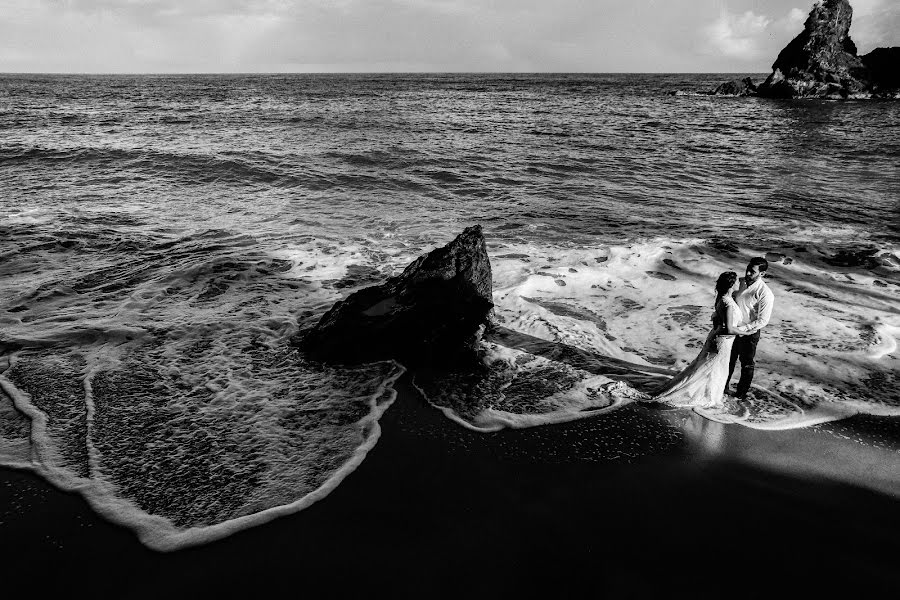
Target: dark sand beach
<point x="637" y="503"/>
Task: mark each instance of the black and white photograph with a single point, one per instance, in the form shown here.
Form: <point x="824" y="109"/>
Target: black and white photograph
<point x="450" y="298"/>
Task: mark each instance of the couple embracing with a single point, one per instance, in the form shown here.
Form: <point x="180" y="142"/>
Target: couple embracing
<point x="742" y="308"/>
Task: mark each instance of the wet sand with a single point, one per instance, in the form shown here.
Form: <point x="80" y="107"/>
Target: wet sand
<point x="638" y="503"/>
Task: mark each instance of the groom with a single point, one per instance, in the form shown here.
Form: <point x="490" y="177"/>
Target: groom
<point x="755" y="300"/>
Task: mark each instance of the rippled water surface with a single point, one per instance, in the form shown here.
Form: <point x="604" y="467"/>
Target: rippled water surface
<point x="162" y="238"/>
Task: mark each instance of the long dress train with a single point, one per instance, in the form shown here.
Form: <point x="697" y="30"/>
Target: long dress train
<point x="702" y="383"/>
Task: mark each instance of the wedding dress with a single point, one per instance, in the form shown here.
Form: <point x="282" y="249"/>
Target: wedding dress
<point x="702" y="383"/>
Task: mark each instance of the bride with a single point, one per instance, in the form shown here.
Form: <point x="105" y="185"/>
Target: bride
<point x="702" y="383"/>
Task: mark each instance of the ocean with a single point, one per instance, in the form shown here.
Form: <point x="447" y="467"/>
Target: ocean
<point x="162" y="239"/>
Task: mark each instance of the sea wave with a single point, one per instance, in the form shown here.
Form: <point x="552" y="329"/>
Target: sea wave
<point x="194" y="167"/>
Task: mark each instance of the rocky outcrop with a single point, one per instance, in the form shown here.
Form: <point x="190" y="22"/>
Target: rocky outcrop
<point x="884" y="71"/>
<point x="736" y="87"/>
<point x="430" y="313"/>
<point x="822" y="61"/>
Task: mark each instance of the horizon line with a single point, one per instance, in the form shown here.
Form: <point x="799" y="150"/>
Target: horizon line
<point x="4" y="73"/>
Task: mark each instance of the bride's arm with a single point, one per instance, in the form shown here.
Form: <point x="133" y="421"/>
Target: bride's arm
<point x="732" y="318"/>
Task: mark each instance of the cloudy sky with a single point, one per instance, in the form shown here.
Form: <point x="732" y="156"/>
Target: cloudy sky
<point x="413" y="35"/>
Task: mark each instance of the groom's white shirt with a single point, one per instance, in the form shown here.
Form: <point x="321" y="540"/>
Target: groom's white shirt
<point x="756" y="302"/>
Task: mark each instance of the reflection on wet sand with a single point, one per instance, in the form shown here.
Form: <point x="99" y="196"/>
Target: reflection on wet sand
<point x="855" y="458"/>
<point x="705" y="438"/>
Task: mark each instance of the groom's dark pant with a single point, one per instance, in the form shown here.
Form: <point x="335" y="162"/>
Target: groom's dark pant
<point x="744" y="346"/>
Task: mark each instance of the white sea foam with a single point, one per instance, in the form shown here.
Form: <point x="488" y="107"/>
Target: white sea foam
<point x="28" y="216"/>
<point x="15" y="432"/>
<point x="520" y="390"/>
<point x="285" y="486"/>
<point x="177" y="408"/>
<point x="828" y="353"/>
<point x="173" y="401"/>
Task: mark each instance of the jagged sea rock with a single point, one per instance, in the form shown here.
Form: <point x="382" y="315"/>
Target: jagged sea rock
<point x="821" y="62"/>
<point x="431" y="313"/>
<point x="736" y="87"/>
<point x="884" y="70"/>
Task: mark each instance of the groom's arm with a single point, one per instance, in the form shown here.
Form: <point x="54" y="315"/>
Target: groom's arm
<point x="764" y="312"/>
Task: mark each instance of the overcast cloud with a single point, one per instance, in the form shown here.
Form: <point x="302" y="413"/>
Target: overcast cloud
<point x="413" y="35"/>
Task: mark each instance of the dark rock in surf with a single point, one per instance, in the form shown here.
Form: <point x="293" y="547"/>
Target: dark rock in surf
<point x="431" y="313"/>
<point x="884" y="71"/>
<point x="822" y="61"/>
<point x="736" y="87"/>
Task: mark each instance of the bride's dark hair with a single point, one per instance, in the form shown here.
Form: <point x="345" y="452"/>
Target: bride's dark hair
<point x="724" y="283"/>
